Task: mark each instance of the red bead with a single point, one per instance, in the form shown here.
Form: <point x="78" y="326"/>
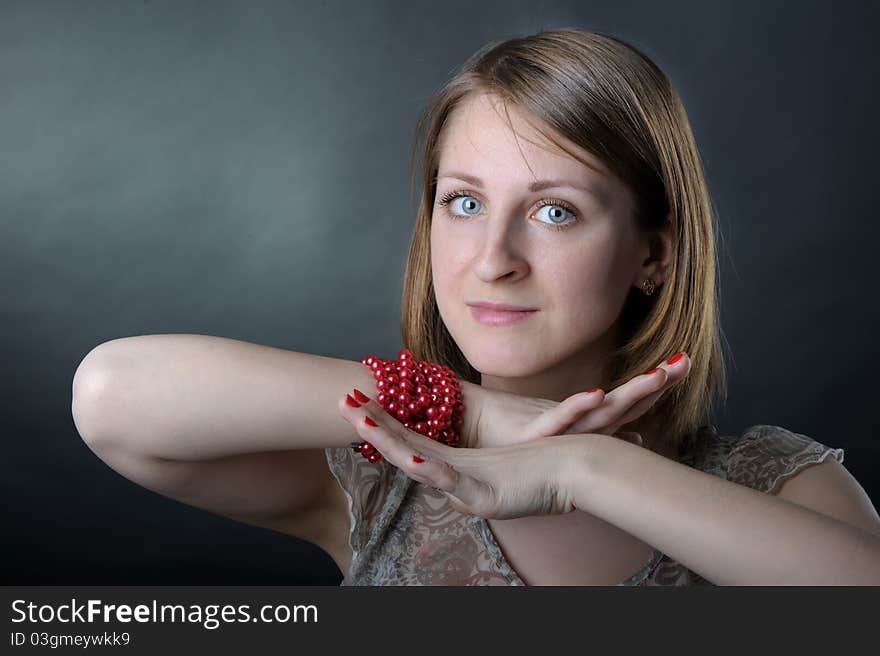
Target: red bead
<point x="374" y="457"/>
<point x="425" y="397"/>
<point x="367" y="448"/>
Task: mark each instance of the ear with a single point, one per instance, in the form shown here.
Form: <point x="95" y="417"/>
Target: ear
<point x="659" y="245"/>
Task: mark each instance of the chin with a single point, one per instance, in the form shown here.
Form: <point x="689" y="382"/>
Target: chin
<point x="497" y="360"/>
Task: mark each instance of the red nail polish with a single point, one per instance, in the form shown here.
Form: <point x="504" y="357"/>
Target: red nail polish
<point x="417" y="459"/>
<point x="350" y="401"/>
<point x="360" y="396"/>
<point x="369" y="422"/>
<point x="675" y="358"/>
<point x="597" y="389"/>
<point x="648" y="373"/>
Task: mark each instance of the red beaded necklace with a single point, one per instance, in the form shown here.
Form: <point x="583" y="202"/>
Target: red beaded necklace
<point x="424" y="397"/>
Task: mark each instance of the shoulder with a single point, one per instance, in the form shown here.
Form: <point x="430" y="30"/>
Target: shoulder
<point x="765" y="456"/>
<point x="802" y="470"/>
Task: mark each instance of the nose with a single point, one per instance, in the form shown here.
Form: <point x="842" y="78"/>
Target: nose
<point x="500" y="254"/>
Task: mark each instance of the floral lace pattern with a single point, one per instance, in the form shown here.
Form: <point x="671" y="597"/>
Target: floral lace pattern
<point x="405" y="533"/>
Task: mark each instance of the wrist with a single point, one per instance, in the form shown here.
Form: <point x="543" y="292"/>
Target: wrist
<point x="579" y="476"/>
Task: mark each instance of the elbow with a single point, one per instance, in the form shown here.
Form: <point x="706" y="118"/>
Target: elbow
<point x="92" y="383"/>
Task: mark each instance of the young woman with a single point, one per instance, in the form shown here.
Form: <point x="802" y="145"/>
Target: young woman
<point x="560" y="176"/>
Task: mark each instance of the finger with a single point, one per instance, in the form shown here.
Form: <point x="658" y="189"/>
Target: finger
<point x="557" y="420"/>
<point x="619" y="401"/>
<point x="632" y="399"/>
<point x="390" y="446"/>
<point x="635" y="411"/>
<point x="675" y="372"/>
<point x="462" y="490"/>
<point x="371" y="407"/>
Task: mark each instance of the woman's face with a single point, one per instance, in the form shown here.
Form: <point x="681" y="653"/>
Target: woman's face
<point x="505" y="247"/>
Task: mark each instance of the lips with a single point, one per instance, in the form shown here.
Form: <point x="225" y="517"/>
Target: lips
<point x="493" y="317"/>
<point x="502" y="307"/>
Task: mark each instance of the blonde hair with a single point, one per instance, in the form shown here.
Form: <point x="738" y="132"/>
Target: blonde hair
<point x="610" y="99"/>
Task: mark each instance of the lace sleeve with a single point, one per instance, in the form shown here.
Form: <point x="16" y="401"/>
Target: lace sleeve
<point x="764" y="456"/>
<point x="365" y="485"/>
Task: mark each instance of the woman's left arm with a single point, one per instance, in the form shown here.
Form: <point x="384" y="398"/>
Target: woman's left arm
<point x="728" y="533"/>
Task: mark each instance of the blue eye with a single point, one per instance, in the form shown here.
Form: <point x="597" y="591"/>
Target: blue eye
<point x="471" y="203"/>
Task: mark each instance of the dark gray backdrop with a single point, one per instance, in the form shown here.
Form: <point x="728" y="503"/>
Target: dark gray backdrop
<point x="240" y="169"/>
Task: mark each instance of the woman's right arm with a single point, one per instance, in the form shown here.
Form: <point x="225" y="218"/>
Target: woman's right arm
<point x="191" y="397"/>
<point x="230" y="426"/>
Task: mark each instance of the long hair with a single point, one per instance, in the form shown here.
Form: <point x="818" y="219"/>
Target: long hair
<point x="610" y="99"/>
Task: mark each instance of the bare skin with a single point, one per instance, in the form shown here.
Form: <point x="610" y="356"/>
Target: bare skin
<point x="500" y="244"/>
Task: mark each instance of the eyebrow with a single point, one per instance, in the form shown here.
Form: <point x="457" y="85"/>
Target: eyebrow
<point x="537" y="185"/>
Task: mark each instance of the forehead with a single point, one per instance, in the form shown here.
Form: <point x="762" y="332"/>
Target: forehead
<point x="484" y="134"/>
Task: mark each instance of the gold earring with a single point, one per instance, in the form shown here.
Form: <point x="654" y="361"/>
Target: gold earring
<point x="648" y="286"/>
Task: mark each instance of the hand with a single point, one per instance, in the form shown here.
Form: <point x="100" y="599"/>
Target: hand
<point x="501" y="418"/>
<point x="496" y="482"/>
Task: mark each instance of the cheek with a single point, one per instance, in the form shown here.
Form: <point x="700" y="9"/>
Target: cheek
<point x="447" y="247"/>
<point x="589" y="284"/>
<point x="443" y="263"/>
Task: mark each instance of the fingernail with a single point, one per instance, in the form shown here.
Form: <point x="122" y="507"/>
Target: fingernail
<point x="350" y="401"/>
<point x="417" y="459"/>
<point x="675" y="358"/>
<point x="593" y="391"/>
<point x="370" y="422"/>
<point x="360" y="396"/>
<point x="648" y="373"/>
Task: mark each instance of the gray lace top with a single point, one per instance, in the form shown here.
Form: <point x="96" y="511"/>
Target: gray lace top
<point x="405" y="533"/>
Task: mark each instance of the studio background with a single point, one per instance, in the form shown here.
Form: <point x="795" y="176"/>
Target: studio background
<point x="241" y="169"/>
